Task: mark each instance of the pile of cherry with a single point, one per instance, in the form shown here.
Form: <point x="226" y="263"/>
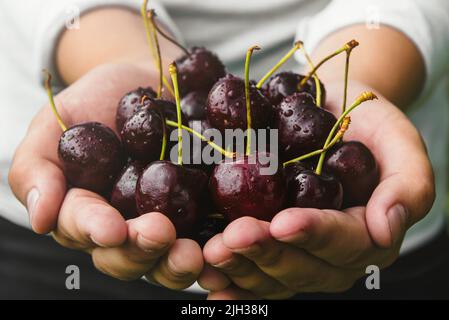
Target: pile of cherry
<point x="317" y="169"/>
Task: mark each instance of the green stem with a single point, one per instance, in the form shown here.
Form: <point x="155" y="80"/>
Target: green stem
<point x="288" y="55"/>
<point x="224" y="152"/>
<point x="315" y="77"/>
<point x="248" y="99"/>
<point x="351" y="44"/>
<point x="158" y="54"/>
<point x="365" y="96"/>
<point x="174" y="76"/>
<point x="52" y="102"/>
<point x="164" y="136"/>
<point x="148" y="33"/>
<point x="345" y="92"/>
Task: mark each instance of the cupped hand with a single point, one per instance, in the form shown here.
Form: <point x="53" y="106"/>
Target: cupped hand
<point x="83" y="220"/>
<point x="311" y="250"/>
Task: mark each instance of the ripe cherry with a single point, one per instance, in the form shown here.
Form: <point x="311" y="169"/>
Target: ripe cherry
<point x="303" y="127"/>
<point x="355" y="166"/>
<point x="226" y="108"/>
<point x="130" y="103"/>
<point x="286" y="83"/>
<point x="240" y="188"/>
<point x="193" y="106"/>
<point x="310" y="190"/>
<point x="123" y="196"/>
<point x="90" y="153"/>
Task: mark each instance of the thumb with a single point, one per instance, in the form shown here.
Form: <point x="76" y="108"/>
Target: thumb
<point x="40" y="186"/>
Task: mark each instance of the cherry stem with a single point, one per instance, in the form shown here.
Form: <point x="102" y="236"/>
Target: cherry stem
<point x="174" y="77"/>
<point x="164" y="136"/>
<point x="227" y="154"/>
<point x="52" y="102"/>
<point x="248" y="99"/>
<point x="348" y="46"/>
<point x="315" y="77"/>
<point x="170" y="39"/>
<point x="338" y="136"/>
<point x="158" y="54"/>
<point x="345" y="90"/>
<point x="284" y="59"/>
<point x="365" y="96"/>
<point x="148" y="32"/>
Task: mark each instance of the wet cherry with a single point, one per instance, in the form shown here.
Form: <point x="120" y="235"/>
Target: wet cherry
<point x="130" y="103"/>
<point x="355" y="166"/>
<point x="123" y="196"/>
<point x="303" y="127"/>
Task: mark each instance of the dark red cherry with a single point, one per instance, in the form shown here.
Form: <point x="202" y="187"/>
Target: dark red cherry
<point x="92" y="156"/>
<point x="302" y="126"/>
<point x="210" y="227"/>
<point x="355" y="166"/>
<point x="142" y="135"/>
<point x="309" y="190"/>
<point x="199" y="70"/>
<point x="291" y="171"/>
<point x="130" y="103"/>
<point x="226" y="106"/>
<point x="242" y="187"/>
<point x="197" y="146"/>
<point x="123" y="196"/>
<point x="176" y="191"/>
<point x="193" y="106"/>
<point x="286" y="83"/>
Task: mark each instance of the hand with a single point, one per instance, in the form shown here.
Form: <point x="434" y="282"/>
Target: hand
<point x="83" y="220"/>
<point x="311" y="250"/>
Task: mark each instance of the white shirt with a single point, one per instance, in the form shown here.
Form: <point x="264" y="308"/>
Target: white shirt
<point x="29" y="31"/>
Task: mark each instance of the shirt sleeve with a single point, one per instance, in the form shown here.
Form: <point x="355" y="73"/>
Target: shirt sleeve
<point x="46" y="20"/>
<point x="425" y="22"/>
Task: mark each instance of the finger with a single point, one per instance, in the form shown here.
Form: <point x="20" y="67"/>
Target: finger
<point x="231" y="293"/>
<point x="180" y="267"/>
<point x="243" y="272"/>
<point x="294" y="268"/>
<point x="340" y="238"/>
<point x="40" y="185"/>
<point x="406" y="191"/>
<point x="86" y="221"/>
<point x="213" y="280"/>
<point x="150" y="236"/>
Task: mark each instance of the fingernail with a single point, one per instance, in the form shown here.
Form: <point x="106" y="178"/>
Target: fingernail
<point x="397" y="217"/>
<point x="32" y="198"/>
<point x="98" y="243"/>
<point x="148" y="245"/>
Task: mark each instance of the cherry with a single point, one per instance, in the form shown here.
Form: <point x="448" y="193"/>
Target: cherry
<point x="199" y="70"/>
<point x="193" y="106"/>
<point x="226" y="105"/>
<point x="142" y="134"/>
<point x="123" y="196"/>
<point x="286" y="83"/>
<point x="303" y="127"/>
<point x="310" y="190"/>
<point x="174" y="190"/>
<point x="239" y="188"/>
<point x="130" y="103"/>
<point x="355" y="166"/>
<point x="91" y="155"/>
